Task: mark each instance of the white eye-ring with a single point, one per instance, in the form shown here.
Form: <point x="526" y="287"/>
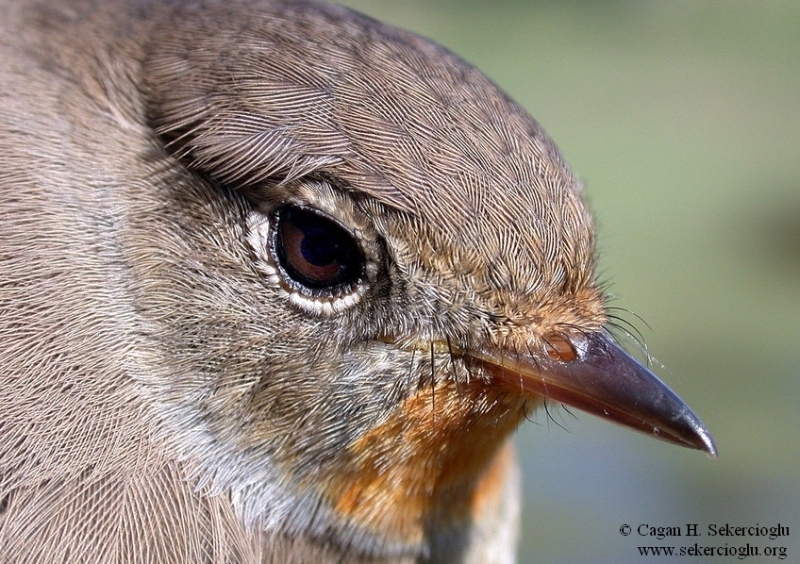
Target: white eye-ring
<point x="310" y="255"/>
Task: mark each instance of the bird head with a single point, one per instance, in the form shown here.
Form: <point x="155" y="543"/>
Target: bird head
<point x="356" y="266"/>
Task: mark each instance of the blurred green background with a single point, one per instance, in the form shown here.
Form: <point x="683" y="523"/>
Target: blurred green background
<point x="682" y="119"/>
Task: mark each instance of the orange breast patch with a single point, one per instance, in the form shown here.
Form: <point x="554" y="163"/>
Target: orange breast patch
<point x="435" y="460"/>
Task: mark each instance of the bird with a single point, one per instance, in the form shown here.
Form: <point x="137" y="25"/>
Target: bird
<point x="278" y="282"/>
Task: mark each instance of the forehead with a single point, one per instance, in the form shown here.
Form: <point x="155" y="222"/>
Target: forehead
<point x="318" y="90"/>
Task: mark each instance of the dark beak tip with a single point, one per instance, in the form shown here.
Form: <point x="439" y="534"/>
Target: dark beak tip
<point x="707" y="443"/>
<point x="686" y="430"/>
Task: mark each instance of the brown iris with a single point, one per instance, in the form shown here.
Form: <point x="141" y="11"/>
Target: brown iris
<point x="315" y="252"/>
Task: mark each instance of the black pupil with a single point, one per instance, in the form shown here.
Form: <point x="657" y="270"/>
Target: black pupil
<point x="319" y="249"/>
<point x="314" y="251"/>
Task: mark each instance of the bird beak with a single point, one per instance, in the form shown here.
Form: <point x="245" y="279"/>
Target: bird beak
<point x="592" y="373"/>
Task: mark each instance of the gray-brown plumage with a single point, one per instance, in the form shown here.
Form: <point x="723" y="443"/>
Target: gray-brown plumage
<point x="276" y="284"/>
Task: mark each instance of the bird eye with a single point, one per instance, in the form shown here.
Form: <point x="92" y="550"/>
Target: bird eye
<point x="559" y="348"/>
<point x="315" y="252"/>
